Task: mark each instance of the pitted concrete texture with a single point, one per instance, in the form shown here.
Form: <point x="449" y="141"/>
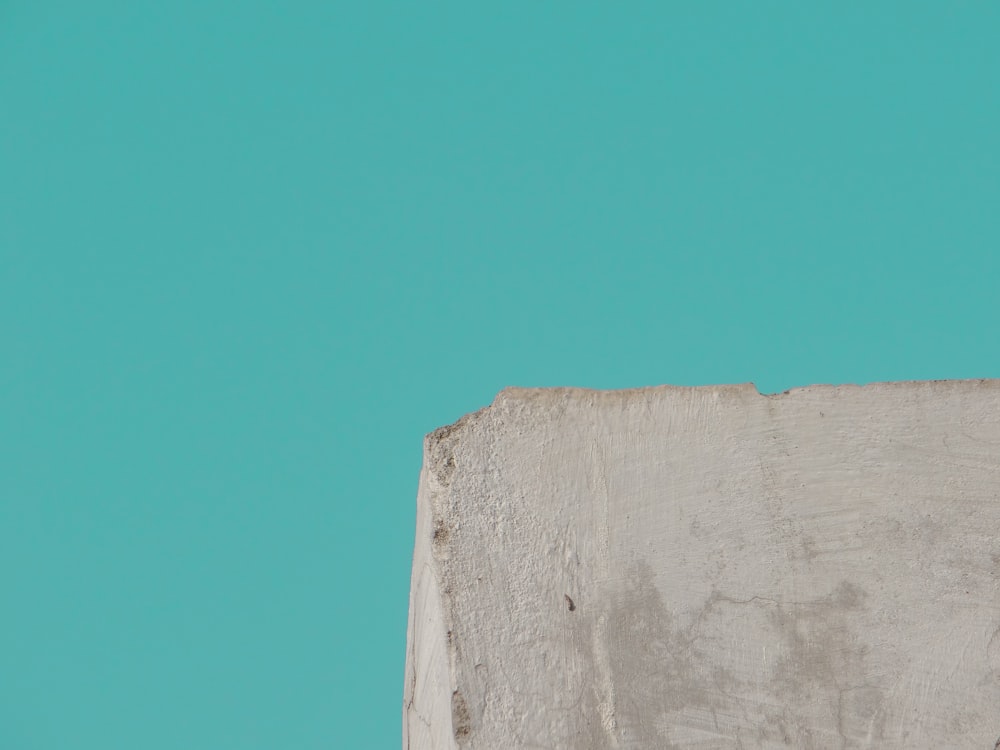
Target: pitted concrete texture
<point x="710" y="568"/>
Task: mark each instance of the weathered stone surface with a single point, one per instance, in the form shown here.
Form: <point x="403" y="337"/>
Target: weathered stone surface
<point x="710" y="568"/>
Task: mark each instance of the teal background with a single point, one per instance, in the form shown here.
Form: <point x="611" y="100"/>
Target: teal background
<point x="251" y="252"/>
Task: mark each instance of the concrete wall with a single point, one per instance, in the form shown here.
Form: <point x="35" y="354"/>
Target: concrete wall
<point x="710" y="568"/>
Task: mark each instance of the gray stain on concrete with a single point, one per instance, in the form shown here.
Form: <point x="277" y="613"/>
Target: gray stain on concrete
<point x="668" y="678"/>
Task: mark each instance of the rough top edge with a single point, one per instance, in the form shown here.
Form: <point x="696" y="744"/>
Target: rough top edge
<point x="522" y="393"/>
<point x="528" y="392"/>
<point x="881" y="384"/>
<point x="442" y="433"/>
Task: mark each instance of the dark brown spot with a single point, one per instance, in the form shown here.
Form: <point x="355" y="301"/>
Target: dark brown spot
<point x="441" y="533"/>
<point x="460" y="720"/>
<point x="569" y="602"/>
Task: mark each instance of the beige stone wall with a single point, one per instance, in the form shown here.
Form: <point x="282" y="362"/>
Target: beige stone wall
<point x="710" y="568"/>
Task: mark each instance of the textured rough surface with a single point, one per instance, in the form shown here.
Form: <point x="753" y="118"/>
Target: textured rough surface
<point x="710" y="568"/>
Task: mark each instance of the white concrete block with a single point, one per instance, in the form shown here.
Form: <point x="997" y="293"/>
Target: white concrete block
<point x="710" y="568"/>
